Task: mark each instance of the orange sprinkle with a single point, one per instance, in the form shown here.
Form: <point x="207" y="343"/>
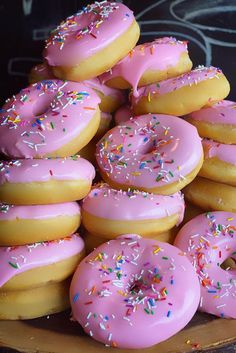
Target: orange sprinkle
<point x="136" y="173"/>
<point x="89" y="108"/>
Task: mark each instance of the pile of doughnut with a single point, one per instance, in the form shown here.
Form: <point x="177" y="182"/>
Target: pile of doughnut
<point x="151" y="126"/>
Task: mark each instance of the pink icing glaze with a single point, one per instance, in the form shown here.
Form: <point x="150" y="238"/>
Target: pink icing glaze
<point x="223" y="112"/>
<point x="141" y="290"/>
<point x="43" y="170"/>
<point x="105" y="202"/>
<point x="42" y="70"/>
<point x="208" y="240"/>
<point x="193" y="77"/>
<point x="44" y="117"/>
<point x="122" y="114"/>
<point x="96" y="84"/>
<point x="226" y="153"/>
<point x="160" y="55"/>
<point x="149" y="151"/>
<point x="18" y="259"/>
<point x="87" y="32"/>
<point x="38" y="212"/>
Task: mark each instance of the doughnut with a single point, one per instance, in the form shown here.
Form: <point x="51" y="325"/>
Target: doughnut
<point x="49" y="119"/>
<point x="21" y="225"/>
<point x="122" y="114"/>
<point x="211" y="195"/>
<point x="38" y="264"/>
<point x="111" y="98"/>
<point x="40" y="72"/>
<point x="91" y="41"/>
<point x="133" y="293"/>
<point x="183" y="94"/>
<point x="217" y="122"/>
<point x="208" y="240"/>
<point x="219" y="162"/>
<point x="36" y="302"/>
<point x="93" y="241"/>
<point x="107" y="212"/>
<point x="154" y="153"/>
<point x="45" y="181"/>
<point x="148" y="63"/>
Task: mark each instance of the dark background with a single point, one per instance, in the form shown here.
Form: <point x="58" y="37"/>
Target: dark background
<point x="208" y="25"/>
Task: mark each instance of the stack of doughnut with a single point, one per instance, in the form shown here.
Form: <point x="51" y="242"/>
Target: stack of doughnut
<point x="135" y="112"/>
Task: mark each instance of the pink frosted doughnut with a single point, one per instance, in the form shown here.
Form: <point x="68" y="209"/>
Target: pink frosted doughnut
<point x="40" y="72"/>
<point x="148" y="63"/>
<point x="159" y="154"/>
<point x="20" y="225"/>
<point x="133" y="293"/>
<point x="183" y="94"/>
<point x="122" y="114"/>
<point x="217" y="122"/>
<point x="208" y="240"/>
<point x="20" y="259"/>
<point x="107" y="212"/>
<point x="45" y="181"/>
<point x="91" y="41"/>
<point x="49" y="119"/>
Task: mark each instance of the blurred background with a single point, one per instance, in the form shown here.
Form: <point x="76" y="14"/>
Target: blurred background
<point x="208" y="25"/>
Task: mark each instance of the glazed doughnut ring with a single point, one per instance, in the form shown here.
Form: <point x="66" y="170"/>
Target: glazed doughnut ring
<point x="107" y="212"/>
<point x="217" y="122"/>
<point x="148" y="63"/>
<point x="92" y="41"/>
<point x="20" y="225"/>
<point x="45" y="181"/>
<point x="157" y="154"/>
<point x="135" y="288"/>
<point x="183" y="94"/>
<point x="49" y="119"/>
<point x="219" y="162"/>
<point x="208" y="240"/>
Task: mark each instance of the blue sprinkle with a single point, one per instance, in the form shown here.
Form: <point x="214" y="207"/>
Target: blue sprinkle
<point x="212" y="291"/>
<point x="142" y="165"/>
<point x="168" y="314"/>
<point x="145" y="139"/>
<point x="76" y="297"/>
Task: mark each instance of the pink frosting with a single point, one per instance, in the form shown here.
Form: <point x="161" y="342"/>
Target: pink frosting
<point x="161" y="54"/>
<point x="193" y="77"/>
<point x="43" y="170"/>
<point x="208" y="240"/>
<point x="42" y="70"/>
<point x="223" y="112"/>
<point x="84" y="34"/>
<point x="38" y="212"/>
<point x="226" y="153"/>
<point x="149" y="151"/>
<point x="115" y="93"/>
<point x="44" y="117"/>
<point x="131" y="292"/>
<point x="122" y="114"/>
<point x="18" y="259"/>
<point x="105" y="202"/>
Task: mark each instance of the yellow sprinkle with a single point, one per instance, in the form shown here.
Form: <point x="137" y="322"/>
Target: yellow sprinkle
<point x="122" y="293"/>
<point x="119" y="257"/>
<point x="149" y="97"/>
<point x="166" y="132"/>
<point x="156" y="250"/>
<point x="188" y="342"/>
<point x="178" y="167"/>
<point x="215" y="296"/>
<point x="105" y="144"/>
<point x="230" y="219"/>
<point x="119" y="147"/>
<point x="136" y="173"/>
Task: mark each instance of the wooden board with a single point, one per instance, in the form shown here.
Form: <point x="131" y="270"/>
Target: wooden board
<point x="57" y="334"/>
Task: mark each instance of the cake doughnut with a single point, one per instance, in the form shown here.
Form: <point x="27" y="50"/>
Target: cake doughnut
<point x="49" y="119"/>
<point x="219" y="162"/>
<point x="21" y="225"/>
<point x="159" y="154"/>
<point x="93" y="241"/>
<point x="183" y="94"/>
<point x="35" y="266"/>
<point x="91" y="41"/>
<point x="40" y="72"/>
<point x="111" y="98"/>
<point x="135" y="288"/>
<point x="211" y="195"/>
<point x="148" y="63"/>
<point x="208" y="240"/>
<point x="45" y="181"/>
<point x="123" y="114"/>
<point x="217" y="122"/>
<point x="107" y="212"/>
